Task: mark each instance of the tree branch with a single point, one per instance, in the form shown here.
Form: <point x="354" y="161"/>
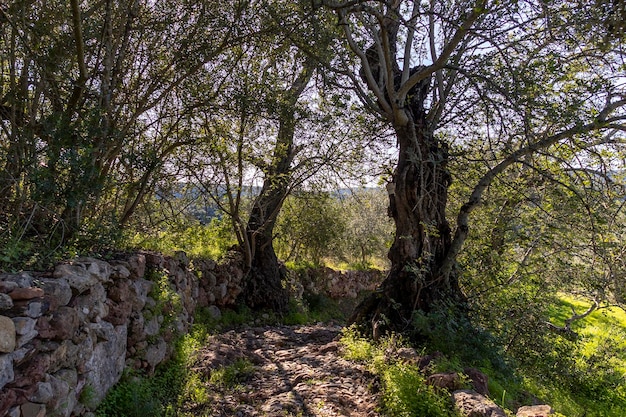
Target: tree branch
<point x="462" y="228"/>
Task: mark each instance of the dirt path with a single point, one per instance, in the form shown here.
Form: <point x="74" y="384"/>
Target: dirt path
<point x="298" y="371"/>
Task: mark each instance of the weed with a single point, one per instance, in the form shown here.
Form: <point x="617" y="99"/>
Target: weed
<point x="88" y="397"/>
<point x="404" y="389"/>
<point x="231" y="375"/>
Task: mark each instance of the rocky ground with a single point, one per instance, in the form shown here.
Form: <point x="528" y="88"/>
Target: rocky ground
<point x="298" y="371"/>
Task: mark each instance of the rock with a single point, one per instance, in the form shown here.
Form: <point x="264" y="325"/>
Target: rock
<point x="221" y="291"/>
<point x="7" y="286"/>
<point x="61" y="326"/>
<point x="23" y="354"/>
<point x="140" y="289"/>
<point x="105" y="365"/>
<point x="36" y="309"/>
<point x="135" y="329"/>
<point x="407" y="354"/>
<point x="35" y="370"/>
<point x="101" y="270"/>
<point x="64" y="398"/>
<point x="76" y="276"/>
<point x="57" y="291"/>
<point x="534" y="411"/>
<point x="33" y="410"/>
<point x="449" y="381"/>
<point x="66" y="355"/>
<point x="27" y="293"/>
<point x="7" y="335"/>
<point x="15" y="412"/>
<point x="214" y="312"/>
<point x="30" y="308"/>
<point x="152" y="327"/>
<point x="182" y="258"/>
<point x="91" y="305"/>
<point x="43" y="393"/>
<point x="480" y="381"/>
<point x="120" y="272"/>
<point x="23" y="279"/>
<point x="201" y="298"/>
<point x="25" y="328"/>
<point x="118" y="312"/>
<point x="424" y="362"/>
<point x="209" y="278"/>
<point x="6" y="370"/>
<point x="24" y="325"/>
<point x="120" y="292"/>
<point x="69" y="376"/>
<point x="23" y="340"/>
<point x="6" y="302"/>
<point x="137" y="265"/>
<point x="472" y="404"/>
<point x="156" y="353"/>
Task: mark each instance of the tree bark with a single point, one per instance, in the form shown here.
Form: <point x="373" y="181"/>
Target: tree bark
<point x="418" y="196"/>
<point x="263" y="286"/>
<point x="417" y="203"/>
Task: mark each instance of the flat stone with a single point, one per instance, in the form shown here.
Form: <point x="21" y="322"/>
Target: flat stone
<point x="76" y="276"/>
<point x="472" y="404"/>
<point x="23" y="279"/>
<point x="33" y="410"/>
<point x="24" y="325"/>
<point x="25" y="329"/>
<point x="6" y="370"/>
<point x="7" y="335"/>
<point x="535" y="411"/>
<point x="22" y="354"/>
<point x="26" y="293"/>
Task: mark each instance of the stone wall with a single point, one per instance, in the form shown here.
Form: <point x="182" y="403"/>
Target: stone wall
<point x="337" y="284"/>
<point x="73" y="330"/>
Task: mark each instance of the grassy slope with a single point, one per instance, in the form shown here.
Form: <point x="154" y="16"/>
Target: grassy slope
<point x="602" y="349"/>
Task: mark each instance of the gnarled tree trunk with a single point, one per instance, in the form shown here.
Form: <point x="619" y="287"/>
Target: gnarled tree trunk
<point x="417" y="203"/>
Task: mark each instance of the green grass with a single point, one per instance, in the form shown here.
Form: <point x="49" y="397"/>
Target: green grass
<point x="403" y="386"/>
<point x="596" y="382"/>
<point x="230" y="376"/>
<point x="161" y="394"/>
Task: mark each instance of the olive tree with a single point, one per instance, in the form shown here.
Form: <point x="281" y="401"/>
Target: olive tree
<point x="515" y="79"/>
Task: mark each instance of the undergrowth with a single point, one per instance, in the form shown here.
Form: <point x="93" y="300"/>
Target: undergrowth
<point x="161" y="394"/>
<point x="404" y="389"/>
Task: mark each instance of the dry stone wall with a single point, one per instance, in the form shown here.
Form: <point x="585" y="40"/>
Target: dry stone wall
<point x="79" y="326"/>
<point x="74" y="330"/>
